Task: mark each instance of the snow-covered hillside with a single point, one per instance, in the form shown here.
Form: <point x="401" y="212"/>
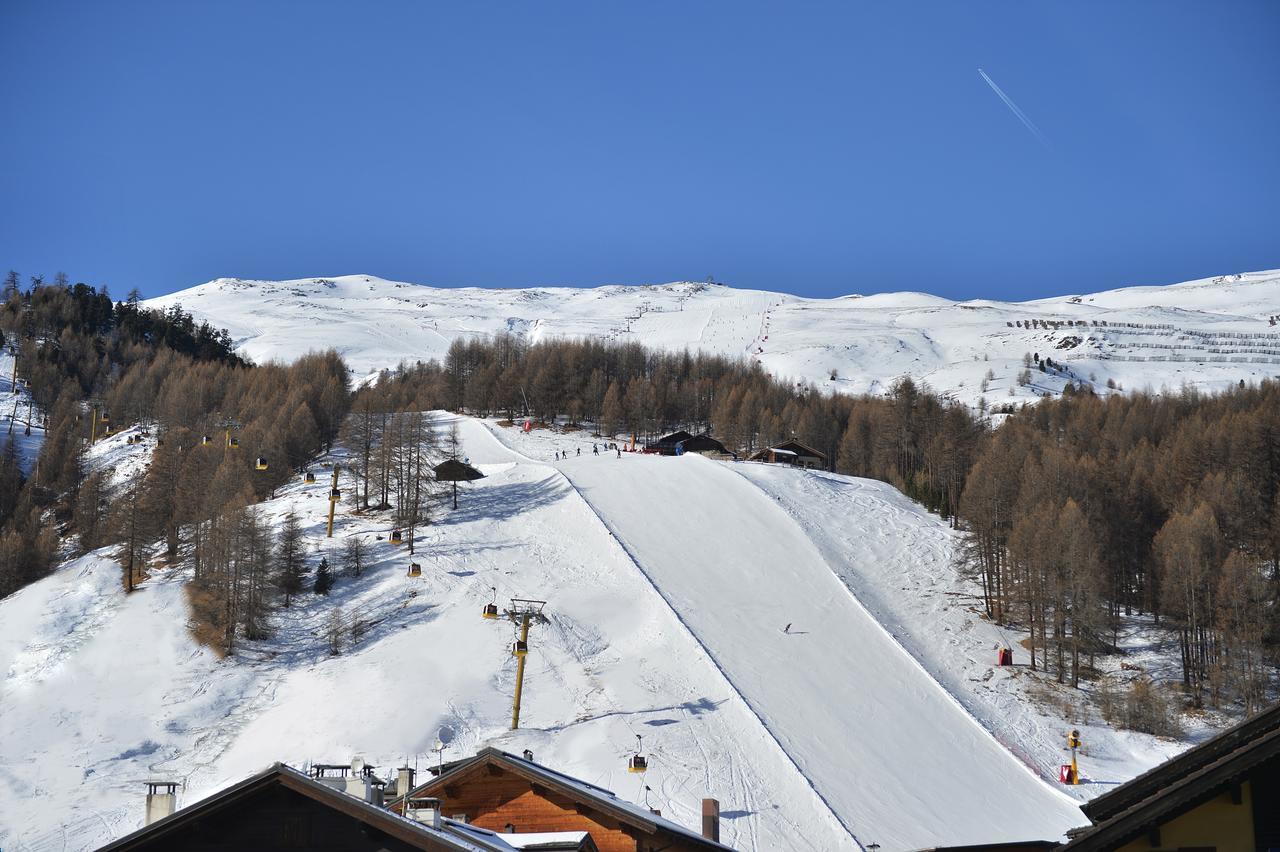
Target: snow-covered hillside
<point x="1206" y="333"/>
<point x="669" y="583"/>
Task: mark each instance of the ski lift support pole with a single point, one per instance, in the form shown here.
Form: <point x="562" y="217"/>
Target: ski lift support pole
<point x="523" y="611"/>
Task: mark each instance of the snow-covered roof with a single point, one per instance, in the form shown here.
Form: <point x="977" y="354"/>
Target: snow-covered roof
<point x="545" y="839"/>
<point x="782" y="452"/>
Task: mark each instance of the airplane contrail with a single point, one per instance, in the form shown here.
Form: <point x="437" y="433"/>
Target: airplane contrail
<point x="1022" y="116"/>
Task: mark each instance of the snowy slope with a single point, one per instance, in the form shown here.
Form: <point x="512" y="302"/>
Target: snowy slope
<point x="876" y="735"/>
<point x="668" y="582"/>
<point x="16" y="416"/>
<point x="1206" y="333"/>
<point x="101" y="691"/>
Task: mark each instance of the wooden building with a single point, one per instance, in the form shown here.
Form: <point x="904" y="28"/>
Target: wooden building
<point x="678" y="443"/>
<point x="510" y="794"/>
<point x="793" y="453"/>
<point x="283" y="809"/>
<point x="1222" y="795"/>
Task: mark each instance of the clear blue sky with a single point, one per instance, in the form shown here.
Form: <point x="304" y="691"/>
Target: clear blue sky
<point x="814" y="148"/>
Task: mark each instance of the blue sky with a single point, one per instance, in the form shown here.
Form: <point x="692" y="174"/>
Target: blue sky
<point x="814" y="148"/>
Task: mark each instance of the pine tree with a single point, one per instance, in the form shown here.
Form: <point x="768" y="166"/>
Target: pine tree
<point x="290" y="564"/>
<point x="324" y="578"/>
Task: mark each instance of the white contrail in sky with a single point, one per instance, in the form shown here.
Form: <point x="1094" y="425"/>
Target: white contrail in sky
<point x="1022" y="116"/>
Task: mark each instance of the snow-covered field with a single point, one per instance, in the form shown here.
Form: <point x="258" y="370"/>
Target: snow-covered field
<point x="1207" y="333"/>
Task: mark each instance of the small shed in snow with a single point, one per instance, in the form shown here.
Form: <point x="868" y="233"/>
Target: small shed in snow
<point x="793" y="453"/>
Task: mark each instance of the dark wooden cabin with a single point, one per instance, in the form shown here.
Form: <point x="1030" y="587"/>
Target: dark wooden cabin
<point x="793" y="453"/>
<point x="503" y="792"/>
<point x="683" y="442"/>
<point x="282" y="809"/>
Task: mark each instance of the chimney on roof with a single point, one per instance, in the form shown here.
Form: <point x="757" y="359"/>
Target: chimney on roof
<point x="423" y="809"/>
<point x="711" y="819"/>
<point x="162" y="800"/>
<point x="373" y="790"/>
<point x="404" y="780"/>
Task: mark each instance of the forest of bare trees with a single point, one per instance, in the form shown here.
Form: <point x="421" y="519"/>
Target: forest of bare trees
<point x="1083" y="509"/>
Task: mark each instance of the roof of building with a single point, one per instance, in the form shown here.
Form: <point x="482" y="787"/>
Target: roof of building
<point x="452" y="470"/>
<point x="1180" y="784"/>
<point x="788" y="448"/>
<point x="675" y="437"/>
<point x="413" y="833"/>
<point x="577" y="790"/>
<point x="573" y="841"/>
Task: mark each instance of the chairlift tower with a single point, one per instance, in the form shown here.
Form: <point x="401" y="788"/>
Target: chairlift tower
<point x="523" y="612"/>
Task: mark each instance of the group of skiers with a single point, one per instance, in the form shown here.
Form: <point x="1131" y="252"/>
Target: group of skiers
<point x="563" y="455"/>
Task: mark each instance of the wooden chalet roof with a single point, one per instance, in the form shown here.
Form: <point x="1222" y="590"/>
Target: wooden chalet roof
<point x="452" y="470"/>
<point x="1180" y="784"/>
<point x="575" y="790"/>
<point x="674" y="438"/>
<point x="799" y="449"/>
<point x="414" y="834"/>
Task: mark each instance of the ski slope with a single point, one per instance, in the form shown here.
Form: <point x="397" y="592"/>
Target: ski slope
<point x="1206" y="334"/>
<point x="882" y="743"/>
<point x="102" y="691"/>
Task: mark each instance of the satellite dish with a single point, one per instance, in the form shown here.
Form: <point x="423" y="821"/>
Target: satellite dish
<point x="439" y="745"/>
<point x="357" y="765"/>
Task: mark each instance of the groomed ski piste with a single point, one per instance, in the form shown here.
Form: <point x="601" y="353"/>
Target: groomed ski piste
<point x="669" y="584"/>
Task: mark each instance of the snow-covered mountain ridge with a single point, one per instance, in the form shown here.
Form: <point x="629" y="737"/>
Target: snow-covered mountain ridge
<point x="1207" y="333"/>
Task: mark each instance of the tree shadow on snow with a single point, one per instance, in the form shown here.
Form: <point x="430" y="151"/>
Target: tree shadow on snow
<point x="500" y="502"/>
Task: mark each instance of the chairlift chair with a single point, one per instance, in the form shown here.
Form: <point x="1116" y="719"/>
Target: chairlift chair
<point x="396" y="538"/>
<point x="205" y="440"/>
<point x="519" y="648"/>
<point x="335" y="494"/>
<point x="638" y="762"/>
<point x="233" y="442"/>
<point x="491" y="610"/>
<point x="310" y="477"/>
<point x="415" y="570"/>
<point x="260" y="464"/>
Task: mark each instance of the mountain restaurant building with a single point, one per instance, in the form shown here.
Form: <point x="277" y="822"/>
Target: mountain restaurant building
<point x="793" y="453"/>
